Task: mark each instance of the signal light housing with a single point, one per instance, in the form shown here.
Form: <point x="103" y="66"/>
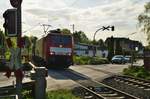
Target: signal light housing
<point x="10" y="24"/>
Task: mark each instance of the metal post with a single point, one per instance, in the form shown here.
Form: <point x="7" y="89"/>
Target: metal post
<point x="73" y="28"/>
<point x="39" y="75"/>
<point x="94" y="48"/>
<point x="132" y="54"/>
<point x="19" y="32"/>
<point x="114" y="47"/>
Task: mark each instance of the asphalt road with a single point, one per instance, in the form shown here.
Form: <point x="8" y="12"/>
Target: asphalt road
<point x="56" y="80"/>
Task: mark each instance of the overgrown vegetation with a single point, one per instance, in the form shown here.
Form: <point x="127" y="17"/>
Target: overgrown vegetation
<point x="61" y="94"/>
<point x="86" y="60"/>
<point x="137" y="71"/>
<point x="27" y="94"/>
<point x="144" y="20"/>
<point x="57" y="94"/>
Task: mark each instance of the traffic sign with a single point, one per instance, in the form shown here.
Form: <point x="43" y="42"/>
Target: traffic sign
<point x="16" y="3"/>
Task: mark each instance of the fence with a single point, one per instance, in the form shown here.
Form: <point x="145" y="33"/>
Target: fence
<point x="37" y="85"/>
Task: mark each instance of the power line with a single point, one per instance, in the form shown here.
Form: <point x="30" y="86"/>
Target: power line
<point x="46" y="27"/>
<point x="31" y="28"/>
<point x="131" y="34"/>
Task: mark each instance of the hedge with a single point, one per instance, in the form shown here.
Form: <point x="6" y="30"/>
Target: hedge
<point x="86" y="60"/>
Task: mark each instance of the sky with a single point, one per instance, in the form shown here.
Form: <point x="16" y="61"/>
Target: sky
<point x="86" y="15"/>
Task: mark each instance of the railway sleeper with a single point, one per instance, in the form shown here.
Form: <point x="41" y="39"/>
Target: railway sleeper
<point x="140" y="81"/>
<point x="116" y="98"/>
<point x="106" y="94"/>
<point x="89" y="96"/>
<point x="109" y="94"/>
<point x="138" y="84"/>
<point x="134" y="89"/>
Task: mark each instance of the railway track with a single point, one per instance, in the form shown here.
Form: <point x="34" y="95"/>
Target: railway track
<point x="92" y="89"/>
<point x="133" y="81"/>
<point x="135" y="86"/>
<point x="141" y="83"/>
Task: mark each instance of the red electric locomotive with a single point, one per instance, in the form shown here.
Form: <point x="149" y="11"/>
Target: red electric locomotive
<point x="55" y="49"/>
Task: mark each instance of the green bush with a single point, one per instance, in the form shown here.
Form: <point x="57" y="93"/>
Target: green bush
<point x="7" y="55"/>
<point x="98" y="60"/>
<point x="85" y="60"/>
<point x="135" y="71"/>
<point x="27" y="94"/>
<point x="81" y="60"/>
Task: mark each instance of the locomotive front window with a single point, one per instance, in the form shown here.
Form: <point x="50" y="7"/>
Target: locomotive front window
<point x="61" y="39"/>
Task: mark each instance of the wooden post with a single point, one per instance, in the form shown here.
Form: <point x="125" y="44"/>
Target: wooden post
<point x="147" y="59"/>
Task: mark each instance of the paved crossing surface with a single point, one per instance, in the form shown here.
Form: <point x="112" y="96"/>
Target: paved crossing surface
<point x="56" y="80"/>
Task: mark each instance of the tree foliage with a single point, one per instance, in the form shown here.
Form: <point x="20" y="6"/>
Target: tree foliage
<point x="100" y="42"/>
<point x="66" y="31"/>
<point x="2" y="38"/>
<point x="144" y="20"/>
<point x="80" y="37"/>
<point x="33" y="40"/>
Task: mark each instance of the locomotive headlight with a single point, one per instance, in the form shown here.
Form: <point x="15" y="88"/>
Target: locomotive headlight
<point x="60" y="46"/>
<point x="52" y="53"/>
<point x="69" y="54"/>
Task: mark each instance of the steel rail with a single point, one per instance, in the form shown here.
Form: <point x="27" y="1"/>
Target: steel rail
<point x="119" y="76"/>
<point x="74" y="74"/>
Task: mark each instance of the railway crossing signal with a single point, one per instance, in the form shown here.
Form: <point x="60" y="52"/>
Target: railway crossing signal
<point x="10" y="24"/>
<point x="15" y="3"/>
<point x="108" y="28"/>
<point x="13" y="27"/>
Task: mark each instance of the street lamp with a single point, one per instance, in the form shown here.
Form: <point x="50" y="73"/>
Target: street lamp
<point x="103" y="28"/>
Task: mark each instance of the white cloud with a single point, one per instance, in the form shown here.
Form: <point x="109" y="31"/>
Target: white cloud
<point x="87" y="15"/>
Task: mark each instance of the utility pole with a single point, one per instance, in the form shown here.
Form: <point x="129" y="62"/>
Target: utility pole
<point x="132" y="50"/>
<point x="114" y="47"/>
<point x="73" y="28"/>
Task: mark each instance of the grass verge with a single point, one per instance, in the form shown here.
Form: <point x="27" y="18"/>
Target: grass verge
<point x="61" y="94"/>
<point x="57" y="94"/>
<point x="137" y="71"/>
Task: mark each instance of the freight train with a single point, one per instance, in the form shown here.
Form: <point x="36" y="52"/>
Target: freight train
<point x="55" y="49"/>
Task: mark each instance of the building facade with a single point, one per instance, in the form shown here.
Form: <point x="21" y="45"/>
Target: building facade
<point x="81" y="49"/>
<point x="122" y="46"/>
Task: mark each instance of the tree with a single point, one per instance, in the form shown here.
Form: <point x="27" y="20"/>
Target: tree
<point x="27" y="44"/>
<point x="80" y="37"/>
<point x="2" y="43"/>
<point x="100" y="43"/>
<point x="144" y="20"/>
<point x="2" y="38"/>
<point x="65" y="31"/>
<point x="109" y="42"/>
<point x="33" y="40"/>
